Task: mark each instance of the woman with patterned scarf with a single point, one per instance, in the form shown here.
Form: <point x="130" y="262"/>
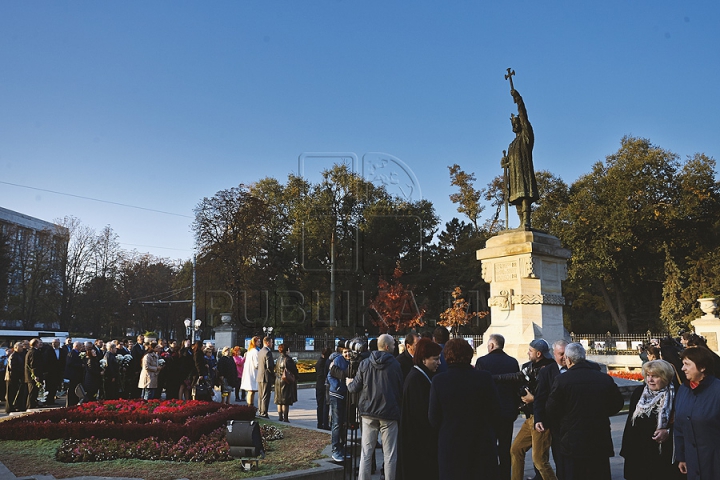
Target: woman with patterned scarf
<point x="647" y="444"/>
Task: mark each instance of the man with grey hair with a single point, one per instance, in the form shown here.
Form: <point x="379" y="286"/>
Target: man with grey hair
<point x="497" y="362"/>
<point x="74" y="372"/>
<point x="379" y="380"/>
<point x="579" y="406"/>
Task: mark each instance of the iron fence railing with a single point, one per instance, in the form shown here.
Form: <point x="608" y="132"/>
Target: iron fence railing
<point x="615" y="343"/>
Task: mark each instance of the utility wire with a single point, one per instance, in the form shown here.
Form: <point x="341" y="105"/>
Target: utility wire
<point x="96" y="199"/>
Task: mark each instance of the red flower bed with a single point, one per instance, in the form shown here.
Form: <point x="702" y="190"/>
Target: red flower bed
<point x="627" y="375"/>
<point x="126" y="420"/>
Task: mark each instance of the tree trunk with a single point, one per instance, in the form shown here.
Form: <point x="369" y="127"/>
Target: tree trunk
<point x="617" y="313"/>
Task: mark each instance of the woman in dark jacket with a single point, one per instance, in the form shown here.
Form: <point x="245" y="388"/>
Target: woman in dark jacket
<point x="464" y="404"/>
<point x="186" y="371"/>
<point x="93" y="374"/>
<point x="285" y="391"/>
<point x="647" y="440"/>
<point x="697" y="417"/>
<point x="418" y="448"/>
<point x="111" y="373"/>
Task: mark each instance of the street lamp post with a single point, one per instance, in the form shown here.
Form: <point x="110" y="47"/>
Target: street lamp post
<point x="268" y="333"/>
<point x="188" y="330"/>
<point x="198" y="324"/>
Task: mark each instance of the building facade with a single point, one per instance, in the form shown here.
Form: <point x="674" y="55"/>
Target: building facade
<point x="32" y="271"/>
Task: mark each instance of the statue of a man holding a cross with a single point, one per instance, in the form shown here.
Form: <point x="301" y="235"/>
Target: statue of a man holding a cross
<point x="518" y="161"/>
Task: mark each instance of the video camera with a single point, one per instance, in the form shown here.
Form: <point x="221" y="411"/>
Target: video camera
<point x="357" y="346"/>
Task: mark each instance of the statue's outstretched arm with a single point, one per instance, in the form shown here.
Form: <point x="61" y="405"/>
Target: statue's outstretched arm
<point x="522" y="111"/>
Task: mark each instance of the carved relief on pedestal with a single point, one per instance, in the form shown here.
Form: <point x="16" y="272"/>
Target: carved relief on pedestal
<point x="486" y="272"/>
<point x="529" y="268"/>
<point x="506" y="271"/>
<point x="502" y="301"/>
<point x="563" y="273"/>
<point x="538" y="299"/>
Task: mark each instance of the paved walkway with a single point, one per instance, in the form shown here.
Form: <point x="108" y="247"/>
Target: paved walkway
<point x="303" y="415"/>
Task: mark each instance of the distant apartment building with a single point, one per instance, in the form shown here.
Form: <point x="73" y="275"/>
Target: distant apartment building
<point x="35" y="251"/>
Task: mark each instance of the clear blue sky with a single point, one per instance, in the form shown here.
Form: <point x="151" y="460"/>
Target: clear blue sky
<point x="159" y="104"/>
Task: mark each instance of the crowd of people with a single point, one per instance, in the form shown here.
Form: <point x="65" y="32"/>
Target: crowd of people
<point x="434" y="414"/>
<point x="437" y="417"/>
<point x="36" y="373"/>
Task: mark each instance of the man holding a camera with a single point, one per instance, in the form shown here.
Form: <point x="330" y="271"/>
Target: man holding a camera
<point x="528" y="437"/>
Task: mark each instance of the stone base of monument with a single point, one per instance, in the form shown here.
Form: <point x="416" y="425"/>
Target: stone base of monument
<point x="710" y="329"/>
<point x="225" y="333"/>
<point x="525" y="270"/>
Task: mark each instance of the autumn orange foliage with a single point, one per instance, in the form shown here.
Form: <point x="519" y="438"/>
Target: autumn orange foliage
<point x="458" y="315"/>
<point x="395" y="306"/>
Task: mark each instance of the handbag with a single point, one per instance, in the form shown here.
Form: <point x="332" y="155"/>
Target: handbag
<point x="200" y="390"/>
<point x="288" y="377"/>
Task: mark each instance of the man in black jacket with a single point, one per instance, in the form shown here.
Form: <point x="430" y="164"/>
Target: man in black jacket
<point x="74" y="372"/>
<point x="540" y="357"/>
<point x="138" y="352"/>
<point x="497" y="362"/>
<point x="54" y="363"/>
<point x="580" y="403"/>
<point x="34" y="372"/>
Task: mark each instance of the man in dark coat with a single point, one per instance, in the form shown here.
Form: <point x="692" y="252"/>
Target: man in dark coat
<point x="379" y="382"/>
<point x="498" y="362"/>
<point x="405" y="359"/>
<point x="54" y="364"/>
<point x="15" y="400"/>
<point x="580" y="404"/>
<point x="265" y="377"/>
<point x="527" y="438"/>
<point x="545" y="380"/>
<point x="138" y="352"/>
<point x="34" y="372"/>
<point x="75" y="373"/>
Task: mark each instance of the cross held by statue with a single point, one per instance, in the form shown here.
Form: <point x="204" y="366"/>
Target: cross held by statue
<point x="509" y="76"/>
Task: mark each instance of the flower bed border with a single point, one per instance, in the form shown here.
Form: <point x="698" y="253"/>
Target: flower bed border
<point x="193" y="421"/>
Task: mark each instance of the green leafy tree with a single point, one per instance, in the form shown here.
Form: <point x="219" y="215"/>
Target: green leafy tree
<point x="672" y="308"/>
<point x="468" y="198"/>
<point x="618" y="219"/>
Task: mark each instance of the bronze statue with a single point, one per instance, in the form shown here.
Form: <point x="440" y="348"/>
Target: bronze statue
<point x="520" y="178"/>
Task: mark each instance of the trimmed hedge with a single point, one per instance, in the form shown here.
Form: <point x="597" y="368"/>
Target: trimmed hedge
<point x="126" y="420"/>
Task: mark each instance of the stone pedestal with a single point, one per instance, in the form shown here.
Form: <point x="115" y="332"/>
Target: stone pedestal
<point x="525" y="270"/>
<point x="708" y="325"/>
<point x="226" y="333"/>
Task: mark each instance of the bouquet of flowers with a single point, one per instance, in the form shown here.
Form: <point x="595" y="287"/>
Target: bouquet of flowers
<point x="124" y="363"/>
<point x="103" y="364"/>
<point x="42" y="393"/>
<point x="161" y="362"/>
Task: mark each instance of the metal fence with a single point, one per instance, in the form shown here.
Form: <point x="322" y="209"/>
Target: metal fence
<point x="315" y="343"/>
<point x="615" y="343"/>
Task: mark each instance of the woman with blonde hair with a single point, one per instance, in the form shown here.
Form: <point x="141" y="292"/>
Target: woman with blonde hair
<point x="249" y="376"/>
<point x="227" y="374"/>
<point x="647" y="443"/>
